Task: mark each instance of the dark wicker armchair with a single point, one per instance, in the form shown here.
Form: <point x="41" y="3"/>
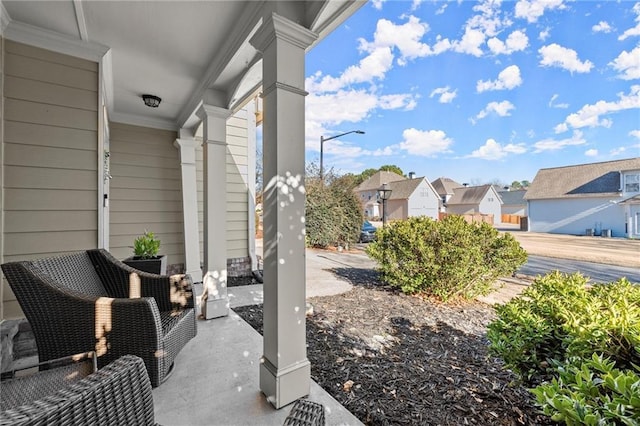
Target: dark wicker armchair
<point x="118" y="394"/>
<point x="90" y="301"/>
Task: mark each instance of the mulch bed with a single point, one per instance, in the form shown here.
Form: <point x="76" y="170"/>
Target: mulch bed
<point x="396" y="359"/>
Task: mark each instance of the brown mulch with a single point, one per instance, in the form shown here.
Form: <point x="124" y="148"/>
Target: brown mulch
<point x="395" y="359"/>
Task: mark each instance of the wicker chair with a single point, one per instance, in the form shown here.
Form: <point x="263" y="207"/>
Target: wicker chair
<point x="84" y="302"/>
<point x="118" y="394"/>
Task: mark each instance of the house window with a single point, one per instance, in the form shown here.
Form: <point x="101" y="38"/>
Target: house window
<point x="632" y="183"/>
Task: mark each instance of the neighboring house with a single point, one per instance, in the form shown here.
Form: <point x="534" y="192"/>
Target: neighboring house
<point x="367" y="192"/>
<point x="481" y="199"/>
<point x="587" y="198"/>
<point x="444" y="187"/>
<point x="84" y="163"/>
<point x="412" y="197"/>
<point x="513" y="202"/>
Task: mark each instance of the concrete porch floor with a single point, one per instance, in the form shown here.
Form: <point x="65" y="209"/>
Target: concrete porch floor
<point x="215" y="379"/>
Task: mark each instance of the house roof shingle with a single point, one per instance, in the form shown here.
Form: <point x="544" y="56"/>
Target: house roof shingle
<point x="513" y="198"/>
<point x="469" y="195"/>
<point x="581" y="180"/>
<point x="444" y="186"/>
<point x="402" y="189"/>
<point x="376" y="181"/>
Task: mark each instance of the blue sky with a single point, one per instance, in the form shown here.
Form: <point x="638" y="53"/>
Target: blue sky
<point x="477" y="91"/>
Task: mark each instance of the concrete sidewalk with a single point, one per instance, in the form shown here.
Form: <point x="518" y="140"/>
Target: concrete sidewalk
<point x="216" y="380"/>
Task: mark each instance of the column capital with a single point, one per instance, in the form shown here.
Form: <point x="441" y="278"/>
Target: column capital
<point x="275" y="26"/>
<point x="213" y="111"/>
<point x="187" y="148"/>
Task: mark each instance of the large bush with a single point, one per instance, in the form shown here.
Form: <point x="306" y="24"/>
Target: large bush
<point x="581" y="343"/>
<point x="559" y="317"/>
<point x="333" y="212"/>
<point x="447" y="259"/>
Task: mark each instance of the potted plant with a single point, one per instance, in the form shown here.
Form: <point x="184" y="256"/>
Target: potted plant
<point x="145" y="255"/>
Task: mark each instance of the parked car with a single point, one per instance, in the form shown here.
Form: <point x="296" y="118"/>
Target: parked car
<point x="367" y="232"/>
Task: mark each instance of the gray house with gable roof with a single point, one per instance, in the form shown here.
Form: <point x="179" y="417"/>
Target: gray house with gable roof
<point x="578" y="199"/>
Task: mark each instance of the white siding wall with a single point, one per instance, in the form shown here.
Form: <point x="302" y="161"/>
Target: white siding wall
<point x="50" y="159"/>
<point x="424" y="201"/>
<point x="574" y="216"/>
<point x="145" y="190"/>
<point x="490" y="204"/>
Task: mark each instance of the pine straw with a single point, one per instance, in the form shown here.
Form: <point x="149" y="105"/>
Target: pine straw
<point x="396" y="359"/>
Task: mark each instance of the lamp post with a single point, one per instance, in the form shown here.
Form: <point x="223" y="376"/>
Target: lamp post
<point x="384" y="192"/>
<point x="323" y="140"/>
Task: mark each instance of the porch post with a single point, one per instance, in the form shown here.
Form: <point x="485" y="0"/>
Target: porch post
<point x="187" y="148"/>
<point x="215" y="302"/>
<point x="285" y="371"/>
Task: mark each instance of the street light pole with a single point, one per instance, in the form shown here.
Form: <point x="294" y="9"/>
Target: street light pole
<point x="384" y="192"/>
<point x="323" y="140"/>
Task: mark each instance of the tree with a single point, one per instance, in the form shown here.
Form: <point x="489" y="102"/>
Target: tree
<point x="391" y="168"/>
<point x="333" y="213"/>
<point x="516" y="185"/>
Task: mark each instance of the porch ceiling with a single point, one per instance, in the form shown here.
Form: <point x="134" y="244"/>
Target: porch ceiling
<point x="181" y="51"/>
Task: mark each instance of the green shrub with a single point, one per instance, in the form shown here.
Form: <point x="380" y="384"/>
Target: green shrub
<point x="447" y="259"/>
<point x="146" y="246"/>
<point x="333" y="213"/>
<point x="591" y="392"/>
<point x="559" y="317"/>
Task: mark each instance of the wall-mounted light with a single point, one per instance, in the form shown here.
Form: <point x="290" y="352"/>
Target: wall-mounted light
<point x="151" y="101"/>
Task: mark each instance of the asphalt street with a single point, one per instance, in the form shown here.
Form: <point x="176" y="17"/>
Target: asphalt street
<point x="598" y="272"/>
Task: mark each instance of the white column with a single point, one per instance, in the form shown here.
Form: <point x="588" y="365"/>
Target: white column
<point x="251" y="182"/>
<point x="215" y="302"/>
<point x="187" y="148"/>
<point x="285" y="372"/>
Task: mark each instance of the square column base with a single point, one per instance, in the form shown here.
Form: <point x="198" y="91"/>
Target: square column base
<point x="282" y="387"/>
<point x="215" y="308"/>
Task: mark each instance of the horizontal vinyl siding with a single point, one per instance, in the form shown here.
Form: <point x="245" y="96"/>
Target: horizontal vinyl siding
<point x="50" y="158"/>
<point x="145" y="190"/>
<point x="237" y="190"/>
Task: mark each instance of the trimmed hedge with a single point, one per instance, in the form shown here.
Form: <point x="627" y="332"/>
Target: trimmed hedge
<point x="446" y="259"/>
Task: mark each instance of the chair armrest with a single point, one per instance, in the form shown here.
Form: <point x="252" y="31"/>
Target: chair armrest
<point x="170" y="292"/>
<point x="120" y="393"/>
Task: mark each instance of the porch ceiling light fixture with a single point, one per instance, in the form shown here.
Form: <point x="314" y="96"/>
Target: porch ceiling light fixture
<point x="151" y="101"/>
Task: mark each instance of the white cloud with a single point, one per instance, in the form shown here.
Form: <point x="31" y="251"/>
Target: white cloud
<point x="325" y="110"/>
<point x="591" y="153"/>
<point x="405" y="37"/>
<point x="508" y="79"/>
<point x="553" y="104"/>
<point x="534" y="9"/>
<point x="516" y="42"/>
<point x="501" y="109"/>
<point x="554" y="145"/>
<point x="617" y="151"/>
<point x="628" y="64"/>
<point x="493" y="150"/>
<point x="370" y="68"/>
<point x="443" y="7"/>
<point x="471" y="43"/>
<point x="602" y="27"/>
<point x="544" y="34"/>
<point x="425" y="143"/>
<point x="446" y="95"/>
<point x="635" y="133"/>
<point x="634" y="31"/>
<point x="589" y="115"/>
<point x="377" y="4"/>
<point x="555" y="55"/>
